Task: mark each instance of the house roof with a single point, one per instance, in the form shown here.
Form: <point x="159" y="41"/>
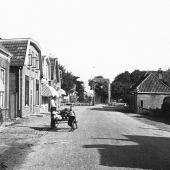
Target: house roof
<point x="152" y="84"/>
<point x="18" y="48"/>
<point x="4" y="50"/>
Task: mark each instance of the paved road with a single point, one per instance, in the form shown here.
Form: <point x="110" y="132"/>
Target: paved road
<point x="103" y="140"/>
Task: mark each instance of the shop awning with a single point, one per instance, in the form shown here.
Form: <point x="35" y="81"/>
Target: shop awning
<point x="2" y="87"/>
<point x="49" y="91"/>
<point x="62" y="92"/>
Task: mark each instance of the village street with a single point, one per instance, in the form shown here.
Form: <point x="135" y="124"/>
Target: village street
<point x="105" y="139"/>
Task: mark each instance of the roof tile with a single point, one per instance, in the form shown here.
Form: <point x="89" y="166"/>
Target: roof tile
<point x="18" y="49"/>
<point x="152" y="84"/>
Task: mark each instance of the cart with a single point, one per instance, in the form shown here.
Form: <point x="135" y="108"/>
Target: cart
<point x="65" y="113"/>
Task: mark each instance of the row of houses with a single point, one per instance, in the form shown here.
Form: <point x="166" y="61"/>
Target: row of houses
<point x="27" y="78"/>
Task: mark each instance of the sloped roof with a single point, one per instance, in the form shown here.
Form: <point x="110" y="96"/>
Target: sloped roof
<point x="4" y="50"/>
<point x="152" y="84"/>
<point x="18" y="48"/>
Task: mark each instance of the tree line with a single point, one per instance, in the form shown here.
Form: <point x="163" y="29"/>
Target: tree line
<point x="123" y="83"/>
<point x="70" y="83"/>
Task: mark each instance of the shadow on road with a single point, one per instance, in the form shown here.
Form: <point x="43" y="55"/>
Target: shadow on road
<point x="135" y="152"/>
<point x="162" y="119"/>
<point x="123" y="109"/>
<point x="44" y="128"/>
<point x="14" y="155"/>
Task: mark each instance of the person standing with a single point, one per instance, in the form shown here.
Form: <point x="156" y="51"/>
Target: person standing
<point x="53" y="108"/>
<point x="72" y="119"/>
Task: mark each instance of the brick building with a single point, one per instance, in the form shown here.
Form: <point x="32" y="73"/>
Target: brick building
<point x="25" y="75"/>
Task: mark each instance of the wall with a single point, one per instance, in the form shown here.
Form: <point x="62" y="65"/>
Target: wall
<point x="4" y="63"/>
<point x="34" y="74"/>
<point x="150" y="101"/>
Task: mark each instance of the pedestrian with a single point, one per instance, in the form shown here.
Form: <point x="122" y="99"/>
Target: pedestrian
<point x="53" y="109"/>
<point x="72" y="119"/>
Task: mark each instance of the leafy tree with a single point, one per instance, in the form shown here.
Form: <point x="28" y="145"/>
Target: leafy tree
<point x="69" y="81"/>
<point x="101" y="88"/>
<point x="120" y="86"/>
<point x="136" y="76"/>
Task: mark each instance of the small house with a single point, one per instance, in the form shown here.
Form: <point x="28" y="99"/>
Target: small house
<point x="148" y="93"/>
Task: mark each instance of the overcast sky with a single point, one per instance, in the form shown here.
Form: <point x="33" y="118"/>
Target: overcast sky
<point x="94" y="37"/>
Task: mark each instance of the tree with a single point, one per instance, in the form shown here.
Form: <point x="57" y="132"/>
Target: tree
<point x="120" y="86"/>
<point x="69" y="81"/>
<point x="136" y="76"/>
<point x="101" y="88"/>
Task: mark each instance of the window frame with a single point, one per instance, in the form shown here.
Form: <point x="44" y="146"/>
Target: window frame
<point x="27" y="87"/>
<point x="37" y="92"/>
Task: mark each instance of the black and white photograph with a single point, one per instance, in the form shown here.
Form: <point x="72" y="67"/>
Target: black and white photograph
<point x="85" y="85"/>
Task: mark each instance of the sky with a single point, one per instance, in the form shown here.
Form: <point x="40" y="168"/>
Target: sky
<point x="94" y="37"/>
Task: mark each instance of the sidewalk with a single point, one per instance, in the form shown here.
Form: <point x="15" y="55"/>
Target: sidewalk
<point x="17" y="138"/>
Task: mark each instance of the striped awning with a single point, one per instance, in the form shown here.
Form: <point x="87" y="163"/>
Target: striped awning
<point x="49" y="91"/>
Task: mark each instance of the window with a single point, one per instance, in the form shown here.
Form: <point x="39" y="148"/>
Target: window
<point x="2" y="75"/>
<point x="37" y="62"/>
<point x="141" y="103"/>
<point x="2" y="95"/>
<point x="26" y="90"/>
<point x="61" y="76"/>
<point x="1" y="99"/>
<point x="37" y="92"/>
<point x="33" y="60"/>
<point x="30" y="58"/>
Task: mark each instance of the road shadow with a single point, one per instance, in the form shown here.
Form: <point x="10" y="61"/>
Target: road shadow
<point x="161" y="119"/>
<point x="123" y="109"/>
<point x="49" y="129"/>
<point x="14" y="155"/>
<point x="134" y="152"/>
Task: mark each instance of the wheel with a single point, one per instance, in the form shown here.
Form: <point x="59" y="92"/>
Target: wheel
<point x="75" y="124"/>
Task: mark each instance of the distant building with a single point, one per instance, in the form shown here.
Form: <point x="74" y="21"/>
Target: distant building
<point x="50" y="83"/>
<point x="47" y="90"/>
<point x="25" y="75"/>
<point x="5" y="56"/>
<point x="56" y="79"/>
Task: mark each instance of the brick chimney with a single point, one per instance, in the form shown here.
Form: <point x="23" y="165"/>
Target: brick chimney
<point x="160" y="76"/>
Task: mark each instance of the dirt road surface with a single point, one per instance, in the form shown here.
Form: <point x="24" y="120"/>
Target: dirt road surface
<point x="105" y="139"/>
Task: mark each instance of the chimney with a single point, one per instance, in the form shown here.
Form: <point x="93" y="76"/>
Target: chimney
<point x="160" y="74"/>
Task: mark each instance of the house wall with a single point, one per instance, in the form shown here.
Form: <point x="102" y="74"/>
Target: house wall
<point x="32" y="108"/>
<point x="4" y="64"/>
<point x="33" y="74"/>
<point x="150" y="101"/>
<point x="45" y="105"/>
